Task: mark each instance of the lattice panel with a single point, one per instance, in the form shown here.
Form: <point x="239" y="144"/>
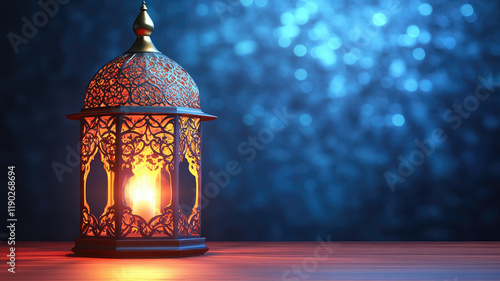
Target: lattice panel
<point x="190" y="150"/>
<point x="98" y="135"/>
<point x="148" y="147"/>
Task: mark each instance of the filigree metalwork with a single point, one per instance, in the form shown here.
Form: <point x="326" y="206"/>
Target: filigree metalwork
<point x="90" y="225"/>
<point x="189" y="226"/>
<point x="107" y="222"/>
<point x="98" y="135"/>
<point x="142" y="79"/>
<point x="190" y="149"/>
<point x="136" y="226"/>
<point x="147" y="142"/>
<point x="105" y="226"/>
<point x="190" y="142"/>
<point x="147" y="147"/>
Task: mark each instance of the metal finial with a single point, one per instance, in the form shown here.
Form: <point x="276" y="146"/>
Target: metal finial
<point x="143" y="28"/>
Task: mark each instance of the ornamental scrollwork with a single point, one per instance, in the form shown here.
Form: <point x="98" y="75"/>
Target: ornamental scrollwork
<point x="136" y="226"/>
<point x="98" y="135"/>
<point x="147" y="148"/>
<point x="147" y="142"/>
<point x="142" y="79"/>
<point x="190" y="150"/>
<point x="190" y="226"/>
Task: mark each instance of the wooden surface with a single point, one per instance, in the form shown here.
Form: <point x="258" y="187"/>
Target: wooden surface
<point x="451" y="261"/>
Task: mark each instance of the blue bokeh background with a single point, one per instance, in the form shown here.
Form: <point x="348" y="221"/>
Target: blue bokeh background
<point x="362" y="83"/>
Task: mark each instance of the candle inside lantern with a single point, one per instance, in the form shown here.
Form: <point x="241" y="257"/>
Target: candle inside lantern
<point x="144" y="200"/>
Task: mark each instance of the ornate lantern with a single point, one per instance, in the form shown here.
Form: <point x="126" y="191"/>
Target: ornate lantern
<point x="142" y="117"/>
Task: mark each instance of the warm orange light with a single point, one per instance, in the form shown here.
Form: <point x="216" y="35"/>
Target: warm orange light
<point x="142" y="190"/>
<point x="147" y="154"/>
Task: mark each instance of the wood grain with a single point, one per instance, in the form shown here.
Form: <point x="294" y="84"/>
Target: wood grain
<point x="451" y="261"/>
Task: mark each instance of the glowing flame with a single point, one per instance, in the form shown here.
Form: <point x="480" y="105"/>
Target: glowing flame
<point x="142" y="190"/>
<point x="143" y="187"/>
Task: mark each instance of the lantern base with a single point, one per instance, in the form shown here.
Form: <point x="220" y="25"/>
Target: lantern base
<point x="139" y="248"/>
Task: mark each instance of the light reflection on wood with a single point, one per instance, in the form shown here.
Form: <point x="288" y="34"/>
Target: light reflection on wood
<point x="269" y="260"/>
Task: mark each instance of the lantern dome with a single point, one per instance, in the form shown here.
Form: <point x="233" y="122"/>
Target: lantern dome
<point x="142" y="76"/>
<point x="142" y="79"/>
